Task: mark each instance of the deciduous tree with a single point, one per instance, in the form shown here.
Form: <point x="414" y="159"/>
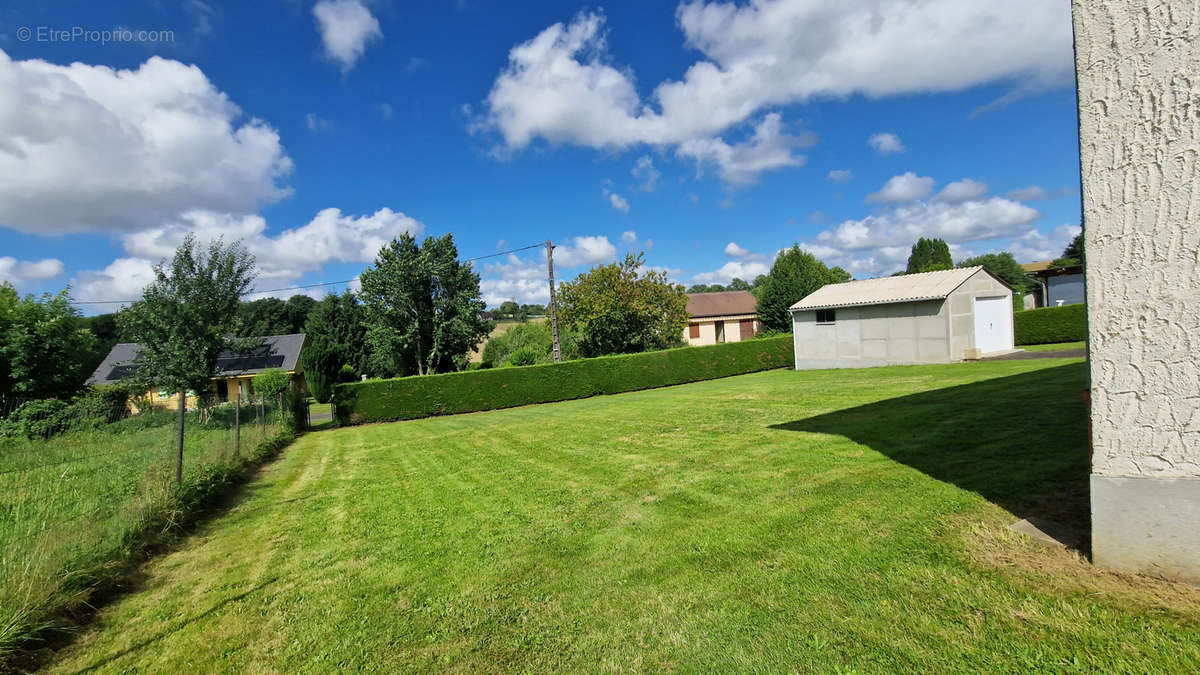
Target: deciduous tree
<point x="424" y="310"/>
<point x="43" y="345"/>
<point x="620" y="308"/>
<point x="186" y="318"/>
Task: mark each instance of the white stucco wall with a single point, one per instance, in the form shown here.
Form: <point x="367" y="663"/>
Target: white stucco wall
<point x="1139" y="132"/>
<point x="1140" y="161"/>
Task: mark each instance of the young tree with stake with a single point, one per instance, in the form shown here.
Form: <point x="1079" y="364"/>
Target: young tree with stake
<point x="186" y="318"/>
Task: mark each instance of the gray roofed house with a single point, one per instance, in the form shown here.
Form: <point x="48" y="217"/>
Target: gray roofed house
<point x="277" y="351"/>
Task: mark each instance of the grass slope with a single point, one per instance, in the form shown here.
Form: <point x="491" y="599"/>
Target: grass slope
<point x="777" y="521"/>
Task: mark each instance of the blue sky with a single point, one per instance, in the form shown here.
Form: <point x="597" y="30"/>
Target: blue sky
<point x="709" y="135"/>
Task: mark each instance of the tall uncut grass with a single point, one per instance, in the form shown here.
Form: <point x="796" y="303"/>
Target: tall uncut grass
<point x="76" y="507"/>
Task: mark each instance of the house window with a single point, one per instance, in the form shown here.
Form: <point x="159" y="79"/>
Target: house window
<point x="163" y="393"/>
<point x="693" y="331"/>
<point x="720" y="326"/>
<point x="825" y="316"/>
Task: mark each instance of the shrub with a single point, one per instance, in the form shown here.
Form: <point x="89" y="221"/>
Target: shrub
<point x="533" y="336"/>
<point x="525" y="356"/>
<point x="470" y="391"/>
<point x="271" y="382"/>
<point x="40" y="418"/>
<point x="1051" y="324"/>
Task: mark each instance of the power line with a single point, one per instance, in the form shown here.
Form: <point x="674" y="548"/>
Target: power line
<point x="304" y="286"/>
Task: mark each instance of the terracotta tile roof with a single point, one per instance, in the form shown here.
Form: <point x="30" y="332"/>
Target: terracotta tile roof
<point x="725" y="303"/>
<point x="885" y="290"/>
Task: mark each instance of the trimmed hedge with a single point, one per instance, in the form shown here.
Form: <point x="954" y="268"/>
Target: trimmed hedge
<point x="1051" y="324"/>
<point x="407" y="398"/>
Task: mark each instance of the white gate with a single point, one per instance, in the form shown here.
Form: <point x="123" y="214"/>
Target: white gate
<point x="993" y="324"/>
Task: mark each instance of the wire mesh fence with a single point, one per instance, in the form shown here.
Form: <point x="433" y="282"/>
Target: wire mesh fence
<point x="76" y="492"/>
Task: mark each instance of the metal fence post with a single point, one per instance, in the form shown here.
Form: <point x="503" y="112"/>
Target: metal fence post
<point x="237" y="425"/>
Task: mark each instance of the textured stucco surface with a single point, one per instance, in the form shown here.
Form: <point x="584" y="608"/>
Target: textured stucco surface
<point x="1139" y="108"/>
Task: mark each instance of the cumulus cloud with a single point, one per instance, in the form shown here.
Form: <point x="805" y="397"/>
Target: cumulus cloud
<point x="346" y="27"/>
<point x="1035" y="193"/>
<point x="646" y="174"/>
<point x="768" y="149"/>
<point x="629" y="237"/>
<point x="906" y="187"/>
<point x="560" y="86"/>
<point x="122" y="279"/>
<point x="86" y="148"/>
<point x="331" y="236"/>
<point x="746" y="270"/>
<point x="525" y="280"/>
<point x="841" y="175"/>
<point x="886" y="144"/>
<point x="734" y="251"/>
<point x="1034" y="246"/>
<point x="961" y="191"/>
<point x="880" y="243"/>
<point x="17" y="271"/>
<point x="618" y="202"/>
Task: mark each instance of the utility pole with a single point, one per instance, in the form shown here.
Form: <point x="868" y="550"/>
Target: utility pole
<point x="553" y="303"/>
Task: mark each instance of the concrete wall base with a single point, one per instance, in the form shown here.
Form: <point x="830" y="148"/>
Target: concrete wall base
<point x="1148" y="525"/>
<point x="827" y="364"/>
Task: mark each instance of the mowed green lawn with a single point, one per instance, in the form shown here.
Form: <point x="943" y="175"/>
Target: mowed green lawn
<point x="835" y="520"/>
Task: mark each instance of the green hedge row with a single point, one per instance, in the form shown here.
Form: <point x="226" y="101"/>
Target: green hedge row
<point x="470" y="391"/>
<point x="1050" y="324"/>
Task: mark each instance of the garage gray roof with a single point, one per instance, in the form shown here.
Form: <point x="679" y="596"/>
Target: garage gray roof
<point x="277" y="351"/>
<point x="887" y="290"/>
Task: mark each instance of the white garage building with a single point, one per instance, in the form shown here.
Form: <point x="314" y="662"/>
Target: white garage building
<point x="934" y="317"/>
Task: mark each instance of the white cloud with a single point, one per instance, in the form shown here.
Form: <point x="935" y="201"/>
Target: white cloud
<point x="740" y="269"/>
<point x="346" y="27"/>
<point x="1035" y="193"/>
<point x="85" y="148"/>
<point x="646" y="174"/>
<point x="906" y="187"/>
<point x="734" y="251"/>
<point x="330" y="236"/>
<point x="122" y="279"/>
<point x="17" y="271"/>
<point x="385" y="110"/>
<point x="886" y="143"/>
<point x="1034" y="246"/>
<point x="880" y="243"/>
<point x="961" y="191"/>
<point x="560" y="87"/>
<point x="584" y="251"/>
<point x="739" y="164"/>
<point x="841" y="175"/>
<point x="618" y="202"/>
<point x="316" y="123"/>
<point x="525" y="281"/>
<point x="629" y="237"/>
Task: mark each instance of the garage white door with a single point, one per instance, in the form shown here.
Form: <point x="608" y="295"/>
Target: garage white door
<point x="993" y="324"/>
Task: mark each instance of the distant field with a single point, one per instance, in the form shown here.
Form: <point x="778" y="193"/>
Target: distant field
<point x="502" y="327"/>
<point x="828" y="521"/>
